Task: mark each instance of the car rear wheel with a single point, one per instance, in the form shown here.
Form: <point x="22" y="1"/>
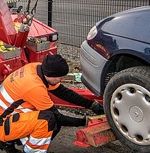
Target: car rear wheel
<point x="127" y="107"/>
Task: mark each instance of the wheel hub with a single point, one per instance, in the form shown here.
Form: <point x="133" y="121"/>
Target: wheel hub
<point x="130" y="109"/>
<point x="136" y="114"/>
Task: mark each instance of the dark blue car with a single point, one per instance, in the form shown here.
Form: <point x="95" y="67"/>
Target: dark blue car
<point x="115" y="62"/>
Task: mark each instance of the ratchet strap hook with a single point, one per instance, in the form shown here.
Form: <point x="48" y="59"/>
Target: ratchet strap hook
<point x="28" y="19"/>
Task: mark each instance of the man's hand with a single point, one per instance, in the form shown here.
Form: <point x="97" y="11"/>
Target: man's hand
<point x="97" y="108"/>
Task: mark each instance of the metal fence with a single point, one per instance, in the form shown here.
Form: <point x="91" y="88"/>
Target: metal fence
<point x="74" y="18"/>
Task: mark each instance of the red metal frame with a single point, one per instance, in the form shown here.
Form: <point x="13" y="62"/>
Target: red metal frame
<point x="10" y="36"/>
<point x="7" y="30"/>
<point x="40" y="55"/>
<point x="37" y="28"/>
<point x="7" y="66"/>
<point x="96" y="134"/>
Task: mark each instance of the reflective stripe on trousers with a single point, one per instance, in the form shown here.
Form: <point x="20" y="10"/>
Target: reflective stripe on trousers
<point x="35" y="141"/>
<point x="28" y="149"/>
<point x="38" y="142"/>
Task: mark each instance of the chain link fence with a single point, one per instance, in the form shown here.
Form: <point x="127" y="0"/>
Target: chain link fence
<point x="74" y="18"/>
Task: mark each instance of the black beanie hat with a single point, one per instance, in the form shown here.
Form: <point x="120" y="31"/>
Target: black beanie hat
<point x="54" y="66"/>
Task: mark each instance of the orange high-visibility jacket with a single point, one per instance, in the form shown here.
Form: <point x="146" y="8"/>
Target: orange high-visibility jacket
<point x="25" y="90"/>
<point x="31" y="124"/>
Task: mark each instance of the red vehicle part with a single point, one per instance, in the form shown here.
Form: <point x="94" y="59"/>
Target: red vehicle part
<point x="37" y="28"/>
<point x="7" y="30"/>
<point x="40" y="55"/>
<point x="12" y="60"/>
<point x="19" y="37"/>
<point x="8" y="66"/>
<point x="27" y="29"/>
<point x="96" y="134"/>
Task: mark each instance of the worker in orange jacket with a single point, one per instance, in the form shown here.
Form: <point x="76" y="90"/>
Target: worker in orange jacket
<point x="27" y="88"/>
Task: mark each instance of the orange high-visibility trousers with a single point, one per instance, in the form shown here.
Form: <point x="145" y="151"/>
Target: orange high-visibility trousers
<point x="34" y="125"/>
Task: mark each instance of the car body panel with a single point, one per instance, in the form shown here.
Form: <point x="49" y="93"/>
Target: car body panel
<point x="130" y="25"/>
<point x="92" y="62"/>
<point x="111" y="45"/>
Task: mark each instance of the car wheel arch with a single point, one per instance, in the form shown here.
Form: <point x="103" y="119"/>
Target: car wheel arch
<point x="118" y="63"/>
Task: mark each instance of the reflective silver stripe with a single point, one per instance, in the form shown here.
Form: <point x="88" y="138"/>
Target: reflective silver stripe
<point x="10" y="100"/>
<point x="2" y="104"/>
<point x="39" y="142"/>
<point x="6" y="95"/>
<point x="29" y="149"/>
<point x="14" y="113"/>
<point x="25" y="110"/>
<point x="24" y="140"/>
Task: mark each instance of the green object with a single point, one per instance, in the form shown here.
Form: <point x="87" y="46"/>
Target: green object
<point x="78" y="77"/>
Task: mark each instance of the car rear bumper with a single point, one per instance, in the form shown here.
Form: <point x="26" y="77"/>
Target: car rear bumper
<point x="92" y="64"/>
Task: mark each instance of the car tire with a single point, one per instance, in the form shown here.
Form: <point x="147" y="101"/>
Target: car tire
<point x="127" y="107"/>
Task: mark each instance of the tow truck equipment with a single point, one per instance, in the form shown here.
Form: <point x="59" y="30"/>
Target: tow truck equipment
<point x="31" y="43"/>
